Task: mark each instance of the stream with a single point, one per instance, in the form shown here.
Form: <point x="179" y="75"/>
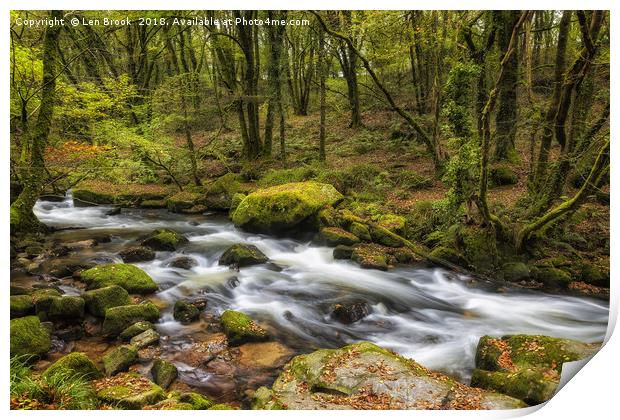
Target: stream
<point x="429" y="314"/>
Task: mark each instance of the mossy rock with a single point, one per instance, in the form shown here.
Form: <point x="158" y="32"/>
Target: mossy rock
<point x="154" y="204"/>
<point x="515" y="271"/>
<point x="527" y="367"/>
<point x="310" y="381"/>
<point x="67" y="308"/>
<point x="164" y="373"/>
<point x="590" y="273"/>
<point x="370" y="256"/>
<point x="237" y="198"/>
<point x="185" y="312"/>
<point x="144" y="339"/>
<point x="102" y="192"/>
<point x="334" y="236"/>
<point x="361" y="231"/>
<point x="117" y="319"/>
<point x="76" y="365"/>
<point x="170" y="404"/>
<point x="448" y="254"/>
<point x="127" y="276"/>
<point x="220" y="193"/>
<point x="434" y="238"/>
<point x="21" y="305"/>
<point x="478" y="247"/>
<point x="393" y="223"/>
<point x="119" y="359"/>
<point x="222" y="407"/>
<point x="243" y="255"/>
<point x="502" y="175"/>
<point x="553" y="277"/>
<point x="240" y="328"/>
<point x="182" y="201"/>
<point x="284" y="207"/>
<point x="20" y="290"/>
<point x="136" y="329"/>
<point x="164" y="240"/>
<point x="197" y="401"/>
<point x="29" y="337"/>
<point x="130" y="391"/>
<point x="342" y="252"/>
<point x="99" y="300"/>
<point x="137" y="254"/>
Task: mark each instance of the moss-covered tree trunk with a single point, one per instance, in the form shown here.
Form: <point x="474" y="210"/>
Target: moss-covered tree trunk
<point x="275" y="37"/>
<point x="322" y="76"/>
<point x="22" y="216"/>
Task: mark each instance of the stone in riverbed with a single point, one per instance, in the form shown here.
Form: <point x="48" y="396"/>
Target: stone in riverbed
<point x="67" y="308"/>
<point x="185" y="263"/>
<point x="119" y="359"/>
<point x="284" y="207"/>
<point x="185" y="312"/>
<point x="137" y="254"/>
<point x="369" y="256"/>
<point x="349" y="378"/>
<point x="135" y="329"/>
<point x="240" y="328"/>
<point x="527" y="367"/>
<point x="242" y="255"/>
<point x="121" y="317"/>
<point x="334" y="236"/>
<point x="127" y="276"/>
<point x="129" y="391"/>
<point x="74" y="364"/>
<point x="28" y="337"/>
<point x="164" y="373"/>
<point x="343" y="252"/>
<point x="21" y="305"/>
<point x="99" y="300"/>
<point x="164" y="240"/>
<point x="144" y="339"/>
<point x="197" y="401"/>
<point x="350" y="312"/>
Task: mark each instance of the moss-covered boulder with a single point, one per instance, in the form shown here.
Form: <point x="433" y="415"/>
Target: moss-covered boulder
<point x="117" y="319"/>
<point x="29" y="337"/>
<point x="237" y="198"/>
<point x="222" y="407"/>
<point x="553" y="277"/>
<point x="99" y="300"/>
<point x="380" y="236"/>
<point x="370" y="256"/>
<point x="164" y="373"/>
<point x="127" y="276"/>
<point x="262" y="399"/>
<point x="393" y="223"/>
<point x="144" y="339"/>
<point x="66" y="308"/>
<point x="515" y="271"/>
<point x="240" y="328"/>
<point x="185" y="311"/>
<point x="135" y="329"/>
<point x="137" y="254"/>
<point x="21" y="305"/>
<point x="527" y="367"/>
<point x="361" y="231"/>
<point x="478" y="246"/>
<point x="129" y="391"/>
<point x="342" y="252"/>
<point x="448" y="254"/>
<point x="348" y="378"/>
<point x="74" y="364"/>
<point x="186" y="263"/>
<point x="197" y="401"/>
<point x="119" y="359"/>
<point x="102" y="192"/>
<point x="164" y="240"/>
<point x="220" y="193"/>
<point x="284" y="207"/>
<point x="243" y="255"/>
<point x="184" y="202"/>
<point x="334" y="236"/>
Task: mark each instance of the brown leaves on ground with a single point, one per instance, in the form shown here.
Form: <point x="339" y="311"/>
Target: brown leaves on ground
<point x="504" y="361"/>
<point x="136" y="383"/>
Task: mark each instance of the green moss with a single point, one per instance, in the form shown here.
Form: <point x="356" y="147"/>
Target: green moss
<point x="243" y="255"/>
<point x="553" y="277"/>
<point x="164" y="240"/>
<point x="369" y="256"/>
<point x="171" y="404"/>
<point x="66" y="308"/>
<point x="119" y="359"/>
<point x="154" y="204"/>
<point x="185" y="312"/>
<point x="361" y="231"/>
<point x="220" y="193"/>
<point x="394" y="223"/>
<point x="528" y="385"/>
<point x="135" y="329"/>
<point x="129" y="277"/>
<point x="182" y="201"/>
<point x="434" y="238"/>
<point x="478" y="247"/>
<point x="130" y="396"/>
<point x="197" y="401"/>
<point x="240" y="328"/>
<point x="74" y="364"/>
<point x="237" y="198"/>
<point x="29" y="338"/>
<point x="502" y="175"/>
<point x="515" y="271"/>
<point x="145" y="339"/>
<point x="448" y="254"/>
<point x="334" y="236"/>
<point x="99" y="300"/>
<point x="222" y="407"/>
<point x="164" y="373"/>
<point x="21" y="305"/>
<point x="119" y="318"/>
<point x="382" y="237"/>
<point x="101" y="192"/>
<point x="284" y="207"/>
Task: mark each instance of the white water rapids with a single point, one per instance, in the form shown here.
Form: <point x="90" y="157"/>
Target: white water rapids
<point x="430" y="315"/>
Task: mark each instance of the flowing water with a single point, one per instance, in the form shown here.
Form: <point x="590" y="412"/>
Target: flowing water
<point x="428" y="314"/>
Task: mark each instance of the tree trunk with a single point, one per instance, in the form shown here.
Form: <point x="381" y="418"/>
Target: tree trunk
<point x="322" y="73"/>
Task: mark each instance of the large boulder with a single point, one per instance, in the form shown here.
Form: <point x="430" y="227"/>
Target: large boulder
<point x="29" y="337"/>
<point x="127" y="276"/>
<point x="129" y="391"/>
<point x="284" y="207"/>
<point x="240" y="328"/>
<point x="99" y="300"/>
<point x="164" y="373"/>
<point x="74" y="364"/>
<point x="117" y="319"/>
<point x="119" y="359"/>
<point x="242" y="255"/>
<point x="527" y="367"/>
<point x="365" y="376"/>
<point x="164" y="240"/>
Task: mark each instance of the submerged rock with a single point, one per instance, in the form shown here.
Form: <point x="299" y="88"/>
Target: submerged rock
<point x="119" y="359"/>
<point x="129" y="391"/>
<point x="164" y="373"/>
<point x="185" y="312"/>
<point x="240" y="328"/>
<point x="29" y="337"/>
<point x="119" y="318"/>
<point x="527" y="367"/>
<point x="284" y="207"/>
<point x="99" y="300"/>
<point x="243" y="255"/>
<point x="350" y="312"/>
<point x="185" y="263"/>
<point x="164" y="240"/>
<point x="74" y="364"/>
<point x="365" y="376"/>
<point x="127" y="276"/>
<point x="137" y="254"/>
<point x="342" y="252"/>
